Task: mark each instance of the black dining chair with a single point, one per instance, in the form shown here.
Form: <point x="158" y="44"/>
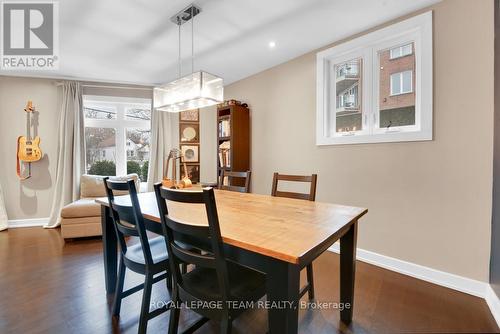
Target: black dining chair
<point x="214" y="280"/>
<point x="311" y="196"/>
<point x="148" y="257"/>
<point x="233" y="176"/>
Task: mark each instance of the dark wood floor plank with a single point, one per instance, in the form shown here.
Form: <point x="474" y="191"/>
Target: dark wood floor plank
<point x="48" y="286"/>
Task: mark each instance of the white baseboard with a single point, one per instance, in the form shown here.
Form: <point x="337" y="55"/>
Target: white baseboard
<point x="493" y="303"/>
<point x="15" y="223"/>
<point x="452" y="281"/>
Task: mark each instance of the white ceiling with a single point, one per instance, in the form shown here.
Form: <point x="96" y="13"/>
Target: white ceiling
<point x="134" y="41"/>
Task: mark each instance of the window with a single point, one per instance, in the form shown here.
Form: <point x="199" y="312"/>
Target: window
<point x="347" y="95"/>
<point x="401" y="83"/>
<point x="117" y="135"/>
<point x="396" y="106"/>
<point x="378" y="87"/>
<point x="401" y="51"/>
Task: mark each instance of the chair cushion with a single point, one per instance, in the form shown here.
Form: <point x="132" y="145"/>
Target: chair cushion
<point x="245" y="283"/>
<point x="93" y="186"/>
<point x="85" y="207"/>
<point x="158" y="251"/>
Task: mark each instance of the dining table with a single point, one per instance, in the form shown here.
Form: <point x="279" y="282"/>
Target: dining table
<point x="274" y="235"/>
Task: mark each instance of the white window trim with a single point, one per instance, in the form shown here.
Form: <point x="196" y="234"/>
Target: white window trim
<point x="120" y="124"/>
<point x="419" y="28"/>
<point x="401" y="92"/>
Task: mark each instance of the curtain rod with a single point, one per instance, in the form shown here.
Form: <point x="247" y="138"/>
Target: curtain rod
<point x="60" y="83"/>
<point x="117" y="87"/>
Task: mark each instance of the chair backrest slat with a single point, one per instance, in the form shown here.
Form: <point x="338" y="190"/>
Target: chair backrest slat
<point x="184" y="228"/>
<point x="295" y="178"/>
<point x="182" y="196"/>
<point x="231" y="176"/>
<point x="289" y="194"/>
<point x="188" y="256"/>
<point x="177" y="232"/>
<point x="129" y="231"/>
<point x="235" y="188"/>
<point x="117" y="185"/>
<point x="126" y="213"/>
<point x="128" y="219"/>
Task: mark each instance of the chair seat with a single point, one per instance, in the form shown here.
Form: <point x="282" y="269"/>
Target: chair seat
<point x="245" y="284"/>
<point x="158" y="251"/>
<point x="84" y="207"/>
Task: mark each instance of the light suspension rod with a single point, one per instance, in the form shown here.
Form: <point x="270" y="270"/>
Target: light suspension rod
<point x="192" y="39"/>
<point x="179" y="60"/>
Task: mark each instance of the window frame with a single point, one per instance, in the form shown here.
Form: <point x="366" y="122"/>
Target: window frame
<point x="120" y="124"/>
<point x="416" y="30"/>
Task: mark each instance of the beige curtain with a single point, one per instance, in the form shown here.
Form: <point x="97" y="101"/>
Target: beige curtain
<point x="70" y="151"/>
<point x="164" y="137"/>
<point x="3" y="212"/>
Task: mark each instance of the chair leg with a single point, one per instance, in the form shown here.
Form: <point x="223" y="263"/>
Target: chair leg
<point x="310" y="280"/>
<point x="146" y="299"/>
<point x="117" y="302"/>
<point x="226" y="326"/>
<point x="175" y="311"/>
<point x="169" y="280"/>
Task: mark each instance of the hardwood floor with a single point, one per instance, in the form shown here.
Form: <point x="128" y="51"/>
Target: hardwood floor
<point x="49" y="286"/>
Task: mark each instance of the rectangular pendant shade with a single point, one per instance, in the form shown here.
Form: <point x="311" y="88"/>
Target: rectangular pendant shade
<point x="195" y="90"/>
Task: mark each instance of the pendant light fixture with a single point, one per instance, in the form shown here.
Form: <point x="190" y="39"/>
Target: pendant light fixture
<point x="196" y="90"/>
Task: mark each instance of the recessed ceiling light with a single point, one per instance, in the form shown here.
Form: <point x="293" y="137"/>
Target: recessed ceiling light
<point x="272" y="44"/>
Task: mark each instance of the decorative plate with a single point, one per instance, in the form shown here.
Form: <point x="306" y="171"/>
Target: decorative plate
<point x="189" y="133"/>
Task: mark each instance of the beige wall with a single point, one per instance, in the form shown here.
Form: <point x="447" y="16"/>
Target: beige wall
<point x="208" y="144"/>
<point x="429" y="202"/>
<point x="31" y="198"/>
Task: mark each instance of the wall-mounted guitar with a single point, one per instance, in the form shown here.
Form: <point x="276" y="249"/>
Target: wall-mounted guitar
<point x="28" y="148"/>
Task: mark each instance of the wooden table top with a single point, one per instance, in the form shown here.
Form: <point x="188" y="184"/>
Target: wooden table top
<point x="282" y="228"/>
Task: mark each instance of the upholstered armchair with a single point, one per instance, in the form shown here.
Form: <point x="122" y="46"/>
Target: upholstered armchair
<point x="82" y="218"/>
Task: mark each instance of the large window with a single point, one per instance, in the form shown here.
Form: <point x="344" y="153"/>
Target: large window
<point x="378" y="87"/>
<point x="117" y="135"/>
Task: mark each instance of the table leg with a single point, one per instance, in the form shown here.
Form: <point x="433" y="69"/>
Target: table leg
<point x="283" y="284"/>
<point x="347" y="272"/>
<point x="109" y="245"/>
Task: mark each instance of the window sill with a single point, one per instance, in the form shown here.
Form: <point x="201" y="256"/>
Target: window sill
<point x="399" y="94"/>
<point x="389" y="136"/>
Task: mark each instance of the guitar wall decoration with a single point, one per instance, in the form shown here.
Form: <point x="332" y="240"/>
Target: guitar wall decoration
<point x="28" y="148"/>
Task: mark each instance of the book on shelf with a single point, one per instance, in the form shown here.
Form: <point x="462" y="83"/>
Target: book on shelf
<point x="224" y="128"/>
<point x="224" y="154"/>
<point x="224" y="159"/>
